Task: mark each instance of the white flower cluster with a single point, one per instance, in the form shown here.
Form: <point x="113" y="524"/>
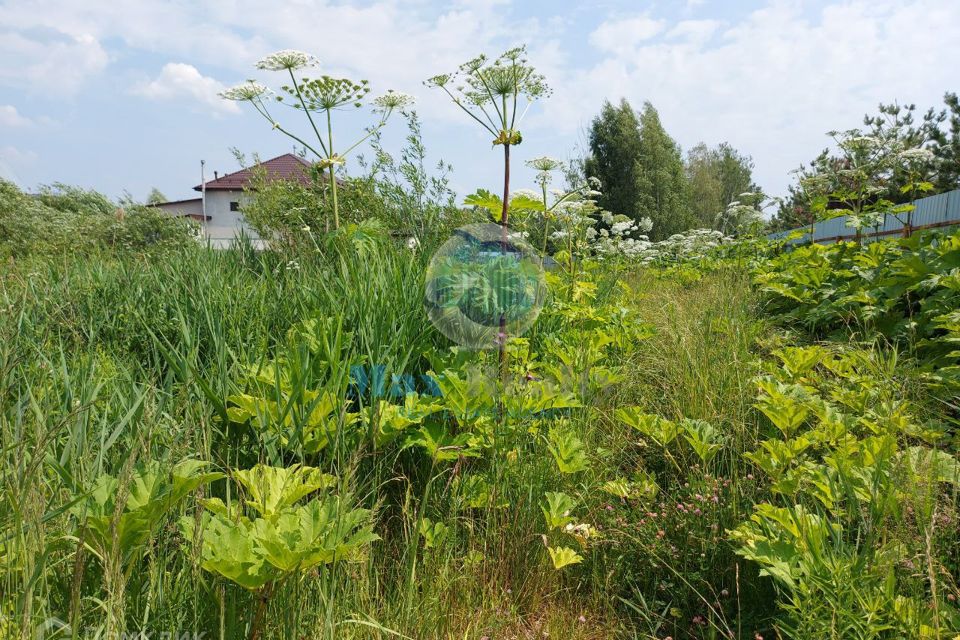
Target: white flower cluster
<point x="916" y="154"/>
<point x="393" y="100"/>
<point x="619" y="236"/>
<point x="287" y="60"/>
<point x="689" y="245"/>
<point x="618" y="240"/>
<point x="524" y="193"/>
<point x="544" y="163"/>
<point x="248" y="90"/>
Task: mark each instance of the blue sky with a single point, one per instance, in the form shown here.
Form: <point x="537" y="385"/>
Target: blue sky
<point x="122" y="95"/>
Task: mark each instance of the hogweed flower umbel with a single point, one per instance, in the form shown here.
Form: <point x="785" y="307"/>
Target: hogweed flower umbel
<point x="245" y="91"/>
<point x="287" y="60"/>
<point x="544" y="163"/>
<point x="393" y="100"/>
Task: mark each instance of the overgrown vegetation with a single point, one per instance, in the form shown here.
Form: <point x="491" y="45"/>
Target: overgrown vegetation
<point x="704" y="437"/>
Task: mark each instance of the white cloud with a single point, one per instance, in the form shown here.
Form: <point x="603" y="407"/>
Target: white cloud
<point x="694" y="30"/>
<point x="178" y="80"/>
<point x="776" y="81"/>
<point x="770" y="80"/>
<point x="49" y="60"/>
<point x="10" y="117"/>
<point x="393" y="43"/>
<point x="13" y="159"/>
<point x="621" y="37"/>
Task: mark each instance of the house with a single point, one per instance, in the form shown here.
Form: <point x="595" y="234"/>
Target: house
<point x="219" y="209"/>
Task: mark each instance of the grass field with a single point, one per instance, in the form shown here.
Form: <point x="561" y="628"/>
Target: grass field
<point x="255" y="444"/>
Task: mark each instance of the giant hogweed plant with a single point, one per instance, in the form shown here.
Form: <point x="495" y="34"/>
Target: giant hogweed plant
<point x="853" y="183"/>
<point x="904" y="290"/>
<point x="273" y="535"/>
<point x="496" y="95"/>
<point x="119" y="517"/>
<point x="849" y="461"/>
<point x="492" y="94"/>
<point x="319" y="97"/>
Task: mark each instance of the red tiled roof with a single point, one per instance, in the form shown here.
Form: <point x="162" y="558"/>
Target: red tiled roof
<point x="285" y="167"/>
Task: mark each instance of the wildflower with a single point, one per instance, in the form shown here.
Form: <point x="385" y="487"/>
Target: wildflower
<point x="582" y="619"/>
<point x="917" y="154"/>
<point x="412" y="243"/>
<point x="305" y="228"/>
<point x="524" y="193"/>
<point x="287" y="60"/>
<point x="393" y="100"/>
<point x="248" y="90"/>
<point x="544" y="163"/>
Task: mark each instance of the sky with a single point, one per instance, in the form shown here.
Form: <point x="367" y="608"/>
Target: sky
<point x="122" y="96"/>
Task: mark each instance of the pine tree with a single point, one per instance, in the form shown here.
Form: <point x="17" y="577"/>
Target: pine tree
<point x="660" y="179"/>
<point x="947" y="146"/>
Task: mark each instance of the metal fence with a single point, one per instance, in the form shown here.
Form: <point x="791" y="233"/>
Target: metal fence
<point x="933" y="212"/>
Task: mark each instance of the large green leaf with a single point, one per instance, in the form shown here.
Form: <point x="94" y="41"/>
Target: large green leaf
<point x="149" y="494"/>
<point x="272" y="489"/>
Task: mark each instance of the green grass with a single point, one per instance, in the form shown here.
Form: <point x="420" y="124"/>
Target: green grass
<point x="110" y="360"/>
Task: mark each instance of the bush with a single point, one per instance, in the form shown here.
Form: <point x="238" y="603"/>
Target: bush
<point x="65" y="219"/>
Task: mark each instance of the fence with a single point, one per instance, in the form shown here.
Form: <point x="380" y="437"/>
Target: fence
<point x="933" y="212"/>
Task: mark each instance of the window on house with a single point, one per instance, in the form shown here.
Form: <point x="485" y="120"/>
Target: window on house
<point x="234" y="206"/>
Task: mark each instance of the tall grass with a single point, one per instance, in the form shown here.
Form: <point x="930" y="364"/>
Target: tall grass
<point x="107" y="362"/>
<point x="113" y="360"/>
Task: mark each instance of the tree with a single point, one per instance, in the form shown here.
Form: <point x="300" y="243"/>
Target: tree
<point x="661" y="181"/>
<point x="716" y="177"/>
<point x="705" y="190"/>
<point x="156" y="197"/>
<point x="614" y="157"/>
<point x="946" y="146"/>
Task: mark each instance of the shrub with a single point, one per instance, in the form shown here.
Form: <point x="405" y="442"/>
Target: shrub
<point x="63" y="219"/>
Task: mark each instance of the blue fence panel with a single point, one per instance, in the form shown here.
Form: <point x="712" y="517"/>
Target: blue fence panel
<point x="953" y="205"/>
<point x="940" y="209"/>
